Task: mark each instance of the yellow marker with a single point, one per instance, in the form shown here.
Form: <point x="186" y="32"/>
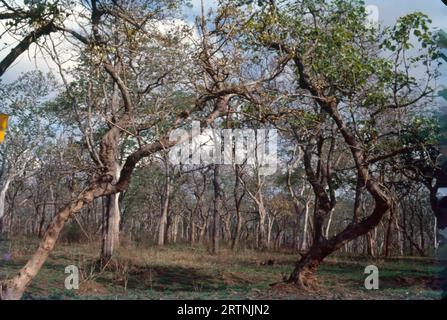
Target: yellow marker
<point x="3" y="126"/>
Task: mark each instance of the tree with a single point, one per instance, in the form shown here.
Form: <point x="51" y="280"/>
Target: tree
<point x="147" y="91"/>
<point x="32" y="21"/>
<point x="357" y="143"/>
<point x="24" y="101"/>
<point x="101" y="49"/>
<point x="339" y="65"/>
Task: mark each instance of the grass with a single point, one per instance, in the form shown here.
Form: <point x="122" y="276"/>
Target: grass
<point x="190" y="272"/>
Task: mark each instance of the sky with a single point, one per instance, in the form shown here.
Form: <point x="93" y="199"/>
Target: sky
<point x="389" y="11"/>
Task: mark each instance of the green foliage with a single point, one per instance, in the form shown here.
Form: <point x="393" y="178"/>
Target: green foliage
<point x="422" y="130"/>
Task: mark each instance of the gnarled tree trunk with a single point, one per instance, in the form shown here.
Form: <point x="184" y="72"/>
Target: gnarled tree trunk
<point x="305" y="269"/>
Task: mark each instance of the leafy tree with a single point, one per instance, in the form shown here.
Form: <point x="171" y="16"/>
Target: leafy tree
<point x="358" y="79"/>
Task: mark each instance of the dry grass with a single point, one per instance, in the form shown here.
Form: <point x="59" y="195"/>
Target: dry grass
<point x="191" y="272"/>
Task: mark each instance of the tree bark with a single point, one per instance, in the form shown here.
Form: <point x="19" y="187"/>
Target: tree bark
<point x="328" y="226"/>
<point x="237" y="203"/>
<point x="14" y="288"/>
<point x="3" y="191"/>
<point x="388" y="232"/>
<point x="435" y="234"/>
<point x="192" y="228"/>
<point x="304" y="273"/>
<point x="111" y="224"/>
<point x="304" y="244"/>
<point x="163" y="223"/>
<point x="110" y="229"/>
<point x="305" y="270"/>
<point x="218" y="201"/>
<point x="24" y="45"/>
<point x="42" y="220"/>
<point x="270" y="222"/>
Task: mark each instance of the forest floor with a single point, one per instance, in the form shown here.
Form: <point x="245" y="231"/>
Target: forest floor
<point x="186" y="272"/>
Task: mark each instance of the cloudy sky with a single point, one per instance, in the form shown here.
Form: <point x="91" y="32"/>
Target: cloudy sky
<point x="389" y="11"/>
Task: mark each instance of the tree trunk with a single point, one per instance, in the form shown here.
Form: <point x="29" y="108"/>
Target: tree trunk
<point x="192" y="228"/>
<point x="174" y="228"/>
<point x="227" y="228"/>
<point x="328" y="226"/>
<point x="110" y="229"/>
<point x="421" y="231"/>
<point x="399" y="235"/>
<point x="305" y="269"/>
<point x="237" y="233"/>
<point x="270" y="222"/>
<point x="262" y="237"/>
<point x="435" y="234"/>
<point x="14" y="288"/>
<point x="3" y="191"/>
<point x="42" y="221"/>
<point x="111" y="224"/>
<point x="237" y="203"/>
<point x="202" y="234"/>
<point x="304" y="244"/>
<point x="163" y="224"/>
<point x="217" y="208"/>
<point x="371" y="243"/>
